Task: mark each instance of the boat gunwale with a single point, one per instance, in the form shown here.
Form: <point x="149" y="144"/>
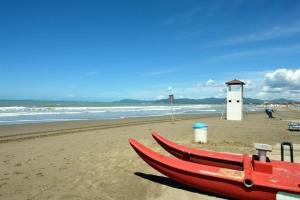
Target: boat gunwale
<point x="221" y="158"/>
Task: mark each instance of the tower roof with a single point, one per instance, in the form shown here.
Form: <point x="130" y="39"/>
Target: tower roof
<point x="235" y="82"/>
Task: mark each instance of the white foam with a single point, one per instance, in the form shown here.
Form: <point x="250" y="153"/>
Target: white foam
<point x="211" y="110"/>
<point x="21" y="114"/>
<point x="34" y="113"/>
<point x="12" y="108"/>
<point x="14" y="111"/>
<point x="37" y="120"/>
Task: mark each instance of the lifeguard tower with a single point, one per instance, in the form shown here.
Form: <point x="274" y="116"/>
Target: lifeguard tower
<point x="235" y="100"/>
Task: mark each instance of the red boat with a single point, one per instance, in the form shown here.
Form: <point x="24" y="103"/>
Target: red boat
<point x="253" y="180"/>
<point x="210" y="158"/>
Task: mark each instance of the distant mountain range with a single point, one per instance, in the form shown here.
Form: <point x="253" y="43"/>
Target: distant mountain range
<point x="203" y="101"/>
<point x="128" y="102"/>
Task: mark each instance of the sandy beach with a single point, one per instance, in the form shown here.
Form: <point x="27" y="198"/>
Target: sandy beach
<point x="93" y="160"/>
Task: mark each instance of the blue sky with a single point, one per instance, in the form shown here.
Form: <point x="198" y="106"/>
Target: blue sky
<point x="110" y="50"/>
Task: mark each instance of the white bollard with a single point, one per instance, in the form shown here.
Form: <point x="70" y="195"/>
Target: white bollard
<point x="262" y="150"/>
<point x="262" y="155"/>
<point x="200" y="132"/>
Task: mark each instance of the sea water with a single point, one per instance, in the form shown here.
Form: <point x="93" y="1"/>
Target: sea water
<point x="33" y="112"/>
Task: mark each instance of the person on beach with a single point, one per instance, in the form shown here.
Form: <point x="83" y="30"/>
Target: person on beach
<point x="269" y="112"/>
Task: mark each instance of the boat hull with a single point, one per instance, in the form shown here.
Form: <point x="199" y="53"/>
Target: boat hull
<point x="220" y="181"/>
<point x="216" y="159"/>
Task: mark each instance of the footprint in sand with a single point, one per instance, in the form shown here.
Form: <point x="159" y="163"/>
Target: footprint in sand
<point x="62" y="168"/>
<point x="40" y="174"/>
<point x="6" y="161"/>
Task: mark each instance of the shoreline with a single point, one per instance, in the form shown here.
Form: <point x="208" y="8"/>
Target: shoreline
<point x="18" y="132"/>
<point x="23" y="115"/>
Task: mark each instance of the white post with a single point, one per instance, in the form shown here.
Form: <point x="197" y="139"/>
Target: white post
<point x="171" y="98"/>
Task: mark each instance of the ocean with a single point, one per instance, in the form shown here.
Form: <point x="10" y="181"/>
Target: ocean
<point x="20" y="112"/>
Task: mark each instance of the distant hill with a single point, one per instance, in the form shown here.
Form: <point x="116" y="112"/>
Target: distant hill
<point x="253" y="101"/>
<point x="193" y="101"/>
<point x="283" y="101"/>
<point x="210" y="101"/>
<point x="129" y="102"/>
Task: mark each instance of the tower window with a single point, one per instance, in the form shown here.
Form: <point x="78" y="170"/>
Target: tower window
<point x="229" y="101"/>
<point x="238" y="101"/>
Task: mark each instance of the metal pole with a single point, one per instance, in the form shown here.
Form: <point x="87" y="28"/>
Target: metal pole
<point x="171" y="98"/>
<point x="291" y="150"/>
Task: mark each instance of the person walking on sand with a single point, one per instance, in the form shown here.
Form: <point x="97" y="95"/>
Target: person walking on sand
<point x="269" y="112"/>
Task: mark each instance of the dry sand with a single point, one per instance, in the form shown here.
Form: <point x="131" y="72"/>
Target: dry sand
<point x="93" y="160"/>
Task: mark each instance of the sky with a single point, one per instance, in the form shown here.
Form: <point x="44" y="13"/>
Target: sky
<point x="111" y="50"/>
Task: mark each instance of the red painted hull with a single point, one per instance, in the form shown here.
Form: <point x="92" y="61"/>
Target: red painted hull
<point x="211" y="158"/>
<point x="222" y="181"/>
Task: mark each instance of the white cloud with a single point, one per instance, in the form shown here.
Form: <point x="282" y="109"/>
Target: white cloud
<point x="284" y="78"/>
<point x="170" y="88"/>
<point x="278" y="50"/>
<point x="198" y="85"/>
<point x="249" y="85"/>
<point x="281" y="83"/>
<point x="268" y="89"/>
<point x="210" y="82"/>
<point x="209" y="88"/>
<point x="160" y="72"/>
<point x="70" y="96"/>
<point x="161" y="97"/>
<point x="273" y="32"/>
<point x="223" y="89"/>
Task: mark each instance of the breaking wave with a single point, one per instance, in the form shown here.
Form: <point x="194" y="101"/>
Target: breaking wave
<point x="23" y="114"/>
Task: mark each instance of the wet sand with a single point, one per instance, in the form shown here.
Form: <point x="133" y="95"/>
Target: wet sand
<point x="93" y="160"/>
